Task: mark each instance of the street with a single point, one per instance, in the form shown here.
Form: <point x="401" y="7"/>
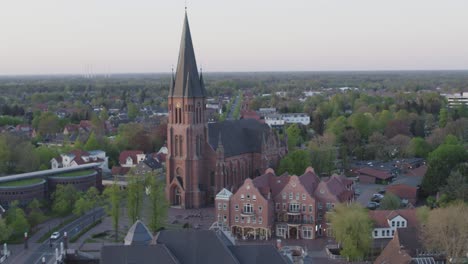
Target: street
<point x="48" y="252"/>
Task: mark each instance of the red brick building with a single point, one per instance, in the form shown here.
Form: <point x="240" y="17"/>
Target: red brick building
<point x="205" y="158"/>
<point x="284" y="206"/>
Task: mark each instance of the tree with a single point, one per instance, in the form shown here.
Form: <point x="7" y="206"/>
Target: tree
<point x="446" y="230"/>
<point x="352" y="228"/>
<point x="92" y="143"/>
<point x="63" y="199"/>
<point x="441" y="161"/>
<point x="132" y="111"/>
<point x="362" y="122"/>
<point x="295" y="162"/>
<point x="418" y="147"/>
<point x="318" y="123"/>
<point x="158" y="204"/>
<point x="35" y="215"/>
<point x="134" y="197"/>
<point x="457" y="186"/>
<point x="16" y="219"/>
<point x="443" y="117"/>
<point x="390" y="202"/>
<point x="5" y="231"/>
<point x="113" y="197"/>
<point x="294" y="136"/>
<point x="82" y="205"/>
<point x="45" y="154"/>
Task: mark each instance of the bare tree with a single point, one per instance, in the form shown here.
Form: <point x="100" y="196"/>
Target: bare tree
<point x="447" y="230"/>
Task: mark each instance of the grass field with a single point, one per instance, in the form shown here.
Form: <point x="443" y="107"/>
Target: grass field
<point x="24" y="182"/>
<point x="75" y="173"/>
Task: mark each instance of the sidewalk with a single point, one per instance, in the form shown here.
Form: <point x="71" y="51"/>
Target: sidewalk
<point x="19" y="254"/>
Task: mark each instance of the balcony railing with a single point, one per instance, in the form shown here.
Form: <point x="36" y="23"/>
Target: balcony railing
<point x="247" y="213"/>
<point x="295" y="221"/>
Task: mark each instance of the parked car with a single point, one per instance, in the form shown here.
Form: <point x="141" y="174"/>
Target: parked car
<point x="55" y="235"/>
<point x="373" y="205"/>
<point x="357" y="192"/>
<point x="382" y="191"/>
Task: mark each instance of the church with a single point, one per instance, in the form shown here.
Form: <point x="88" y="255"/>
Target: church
<point x="203" y="158"/>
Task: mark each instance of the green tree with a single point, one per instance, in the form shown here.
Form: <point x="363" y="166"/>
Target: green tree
<point x="362" y="122"/>
<point x="295" y="162"/>
<point x="441" y="161"/>
<point x="443" y="117"/>
<point x="352" y="228"/>
<point x="35" y="215"/>
<point x="457" y="186"/>
<point x="5" y="231"/>
<point x="157" y="203"/>
<point x="82" y="205"/>
<point x="132" y="111"/>
<point x="63" y="199"/>
<point x="419" y="147"/>
<point x="294" y="136"/>
<point x="92" y="143"/>
<point x="390" y="202"/>
<point x="16" y="219"/>
<point x="113" y="197"/>
<point x="134" y="197"/>
<point x="45" y="154"/>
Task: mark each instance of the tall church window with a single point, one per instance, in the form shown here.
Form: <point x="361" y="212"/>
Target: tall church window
<point x="180" y="146"/>
<point x="176" y="148"/>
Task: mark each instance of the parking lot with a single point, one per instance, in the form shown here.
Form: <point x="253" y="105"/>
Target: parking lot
<point x="367" y="189"/>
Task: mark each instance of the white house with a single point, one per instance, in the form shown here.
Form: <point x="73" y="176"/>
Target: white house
<point x="274" y="120"/>
<point x="80" y="157"/>
<point x="130" y="158"/>
<point x="386" y="222"/>
<point x="297" y="118"/>
<point x="457" y="99"/>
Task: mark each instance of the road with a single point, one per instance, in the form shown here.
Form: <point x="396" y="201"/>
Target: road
<point x="73" y="228"/>
<point x="233" y="108"/>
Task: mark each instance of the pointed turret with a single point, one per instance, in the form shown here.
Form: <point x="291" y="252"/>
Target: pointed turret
<point x="187" y="66"/>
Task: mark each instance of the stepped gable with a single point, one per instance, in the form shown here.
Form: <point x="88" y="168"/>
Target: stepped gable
<point x="309" y="180"/>
<point x="248" y="135"/>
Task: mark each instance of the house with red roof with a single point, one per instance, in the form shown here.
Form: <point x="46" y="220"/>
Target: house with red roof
<point x="286" y="206"/>
<point x="404" y="192"/>
<point x="130" y="158"/>
<point x="79" y="157"/>
<point x="386" y="222"/>
<point x="371" y="175"/>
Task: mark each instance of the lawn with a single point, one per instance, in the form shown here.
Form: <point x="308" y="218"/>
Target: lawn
<point x="75" y="173"/>
<point x="24" y="182"/>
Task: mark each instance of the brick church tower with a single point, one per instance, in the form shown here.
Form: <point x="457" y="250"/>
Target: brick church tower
<point x="187" y="129"/>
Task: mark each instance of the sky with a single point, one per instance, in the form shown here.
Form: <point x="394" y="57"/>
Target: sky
<point x="133" y="36"/>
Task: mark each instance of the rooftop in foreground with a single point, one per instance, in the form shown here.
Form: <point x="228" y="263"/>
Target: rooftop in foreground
<point x="24" y="182"/>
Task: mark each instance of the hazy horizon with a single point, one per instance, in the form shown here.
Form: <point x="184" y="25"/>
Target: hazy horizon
<point x="52" y="37"/>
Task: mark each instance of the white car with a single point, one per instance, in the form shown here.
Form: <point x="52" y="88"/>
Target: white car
<point x="55" y="235"/>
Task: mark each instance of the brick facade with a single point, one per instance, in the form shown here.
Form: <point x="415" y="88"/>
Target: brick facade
<point x="205" y="158"/>
<point x="282" y="206"/>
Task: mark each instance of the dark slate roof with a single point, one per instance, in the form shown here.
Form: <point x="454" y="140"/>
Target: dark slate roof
<point x="137" y="255"/>
<point x="196" y="246"/>
<point x="138" y="234"/>
<point x="152" y="163"/>
<point x="187" y="81"/>
<point x="252" y="254"/>
<point x="238" y="136"/>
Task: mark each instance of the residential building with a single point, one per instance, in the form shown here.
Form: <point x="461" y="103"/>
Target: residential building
<point x="296" y="118"/>
<point x="203" y="157"/>
<point x="186" y="246"/>
<point x="406" y="247"/>
<point x="457" y="99"/>
<point x="130" y="158"/>
<point x="286" y="206"/>
<point x="371" y="175"/>
<point x="386" y="222"/>
<point x="404" y="192"/>
<point x="80" y="157"/>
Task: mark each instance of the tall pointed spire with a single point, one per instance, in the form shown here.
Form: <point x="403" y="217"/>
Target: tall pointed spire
<point x="187" y="66"/>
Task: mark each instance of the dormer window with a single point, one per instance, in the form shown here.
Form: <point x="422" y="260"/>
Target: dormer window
<point x="290" y="196"/>
<point x="242" y="197"/>
<point x="254" y="197"/>
<point x="303" y="196"/>
<point x="284" y="196"/>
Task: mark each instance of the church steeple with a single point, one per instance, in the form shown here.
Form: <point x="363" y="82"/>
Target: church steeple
<point x="187" y="66"/>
